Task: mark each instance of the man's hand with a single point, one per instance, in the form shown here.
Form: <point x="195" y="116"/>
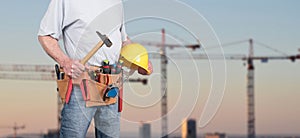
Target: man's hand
<point x="73" y="68"/>
<point x="144" y="72"/>
<point x="127" y="42"/>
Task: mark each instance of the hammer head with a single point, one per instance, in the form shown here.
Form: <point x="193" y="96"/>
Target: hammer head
<point x="105" y="39"/>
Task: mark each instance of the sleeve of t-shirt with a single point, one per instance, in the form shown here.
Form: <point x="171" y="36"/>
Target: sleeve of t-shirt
<point x="123" y="29"/>
<point x="52" y="22"/>
<point x="123" y="32"/>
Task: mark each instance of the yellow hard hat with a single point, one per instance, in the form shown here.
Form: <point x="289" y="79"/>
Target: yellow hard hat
<point x="135" y="55"/>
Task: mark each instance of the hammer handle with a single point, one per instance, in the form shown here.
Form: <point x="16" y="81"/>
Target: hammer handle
<point x="91" y="53"/>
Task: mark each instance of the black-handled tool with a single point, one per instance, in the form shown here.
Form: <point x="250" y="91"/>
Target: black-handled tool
<point x="57" y="71"/>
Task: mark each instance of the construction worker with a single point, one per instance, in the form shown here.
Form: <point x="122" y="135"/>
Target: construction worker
<point x="68" y="20"/>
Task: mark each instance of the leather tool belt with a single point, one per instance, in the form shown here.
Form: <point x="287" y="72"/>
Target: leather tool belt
<point x="93" y="92"/>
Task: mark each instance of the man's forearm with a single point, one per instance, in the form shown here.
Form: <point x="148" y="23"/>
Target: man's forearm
<point x="53" y="49"/>
<point x="72" y="67"/>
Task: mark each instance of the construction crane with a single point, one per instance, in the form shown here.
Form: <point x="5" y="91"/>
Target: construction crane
<point x="164" y="80"/>
<point x="250" y="75"/>
<point x="164" y="88"/>
<point x="15" y="128"/>
<point x="41" y="72"/>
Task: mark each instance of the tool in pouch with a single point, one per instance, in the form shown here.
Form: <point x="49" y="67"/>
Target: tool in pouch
<point x="89" y="87"/>
<point x="112" y="90"/>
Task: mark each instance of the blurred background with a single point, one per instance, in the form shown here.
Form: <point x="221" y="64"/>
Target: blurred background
<point x="270" y="28"/>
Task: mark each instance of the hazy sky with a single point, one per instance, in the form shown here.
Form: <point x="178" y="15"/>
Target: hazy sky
<point x="272" y="22"/>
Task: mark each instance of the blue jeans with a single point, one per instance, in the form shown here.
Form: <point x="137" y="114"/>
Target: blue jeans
<point x="76" y="118"/>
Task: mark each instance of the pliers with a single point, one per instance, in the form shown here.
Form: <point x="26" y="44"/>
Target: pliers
<point x="83" y="87"/>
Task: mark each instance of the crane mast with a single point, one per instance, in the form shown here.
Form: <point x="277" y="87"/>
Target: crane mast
<point x="164" y="88"/>
<point x="250" y="92"/>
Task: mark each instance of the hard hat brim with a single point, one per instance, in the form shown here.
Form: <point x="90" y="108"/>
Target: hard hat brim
<point x="134" y="66"/>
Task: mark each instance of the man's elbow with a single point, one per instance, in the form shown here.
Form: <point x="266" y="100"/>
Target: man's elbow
<point x="44" y="40"/>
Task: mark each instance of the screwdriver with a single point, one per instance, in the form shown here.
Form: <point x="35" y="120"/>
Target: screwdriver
<point x="119" y="66"/>
<point x="105" y="66"/>
<point x="113" y="69"/>
<point x="57" y="71"/>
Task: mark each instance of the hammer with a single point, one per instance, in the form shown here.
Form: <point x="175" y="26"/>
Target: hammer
<point x="78" y="81"/>
<point x="105" y="41"/>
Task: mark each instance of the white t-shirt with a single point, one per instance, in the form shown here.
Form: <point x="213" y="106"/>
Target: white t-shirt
<point x="76" y="22"/>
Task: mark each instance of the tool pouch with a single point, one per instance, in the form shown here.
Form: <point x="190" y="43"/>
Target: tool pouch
<point x="94" y="92"/>
<point x="97" y="90"/>
<point x="62" y="87"/>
